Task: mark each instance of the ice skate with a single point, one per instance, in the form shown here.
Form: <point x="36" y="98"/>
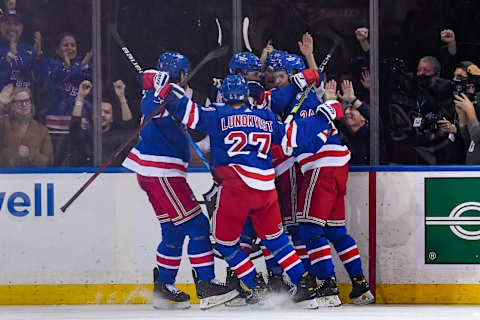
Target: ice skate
<point x="212" y="292"/>
<point x="275" y="283"/>
<point x="327" y="293"/>
<point x="361" y="291"/>
<point x="259" y="294"/>
<point x="305" y="292"/>
<point x="167" y="296"/>
<point x="233" y="282"/>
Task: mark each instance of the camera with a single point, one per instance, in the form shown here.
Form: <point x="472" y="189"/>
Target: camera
<point x="427" y="122"/>
<point x="467" y="86"/>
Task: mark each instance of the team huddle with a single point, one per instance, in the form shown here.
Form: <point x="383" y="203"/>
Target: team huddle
<point x="274" y="145"/>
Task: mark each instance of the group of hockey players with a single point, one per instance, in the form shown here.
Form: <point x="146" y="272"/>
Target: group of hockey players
<point x="274" y="145"/>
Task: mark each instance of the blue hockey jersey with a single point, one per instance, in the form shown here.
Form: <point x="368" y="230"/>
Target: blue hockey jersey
<point x="63" y="89"/>
<point x="163" y="150"/>
<point x="241" y="138"/>
<point x="332" y="153"/>
<point x="23" y="70"/>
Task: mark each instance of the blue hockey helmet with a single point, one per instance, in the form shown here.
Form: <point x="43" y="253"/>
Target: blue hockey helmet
<point x="273" y="57"/>
<point x="234" y="89"/>
<point x="173" y="63"/>
<point x="244" y="61"/>
<point x="293" y="63"/>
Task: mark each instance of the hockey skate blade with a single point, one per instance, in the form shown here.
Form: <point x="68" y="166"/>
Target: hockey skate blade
<point x="308" y="304"/>
<point x="162" y="304"/>
<point x="365" y="298"/>
<point x="236" y="302"/>
<point x="329" y="301"/>
<point x="210" y="302"/>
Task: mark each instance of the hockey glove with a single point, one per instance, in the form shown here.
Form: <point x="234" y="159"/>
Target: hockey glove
<point x="216" y="84"/>
<point x="257" y="92"/>
<point x="307" y="76"/>
<point x="152" y="79"/>
<point x="331" y="109"/>
<point x="169" y="93"/>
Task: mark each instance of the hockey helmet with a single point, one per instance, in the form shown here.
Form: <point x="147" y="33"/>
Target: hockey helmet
<point x="173" y="63"/>
<point x="244" y="61"/>
<point x="273" y="57"/>
<point x="293" y="63"/>
<point x="234" y="89"/>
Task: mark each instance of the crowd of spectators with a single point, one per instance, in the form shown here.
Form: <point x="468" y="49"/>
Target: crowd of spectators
<point x="427" y="116"/>
<point x="55" y="130"/>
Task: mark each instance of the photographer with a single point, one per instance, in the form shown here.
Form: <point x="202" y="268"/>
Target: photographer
<point x="435" y="135"/>
<point x="466" y="104"/>
<point x="469" y="127"/>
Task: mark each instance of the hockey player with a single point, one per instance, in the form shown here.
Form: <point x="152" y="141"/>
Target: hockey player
<point x="287" y="175"/>
<point x="248" y="65"/>
<point x="321" y="208"/>
<point x="240" y="142"/>
<point x="161" y="170"/>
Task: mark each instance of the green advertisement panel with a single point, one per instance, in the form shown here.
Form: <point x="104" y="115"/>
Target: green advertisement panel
<point x="452" y="220"/>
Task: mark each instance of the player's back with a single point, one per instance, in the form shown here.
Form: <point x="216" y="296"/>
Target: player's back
<point x="241" y="139"/>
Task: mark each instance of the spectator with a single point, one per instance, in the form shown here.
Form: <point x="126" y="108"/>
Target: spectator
<point x="10" y="4"/>
<point x="112" y="135"/>
<point x="24" y="141"/>
<point x="65" y="73"/>
<point x="116" y="134"/>
<point x="448" y="56"/>
<point x="357" y="114"/>
<point x="19" y="63"/>
<point x="362" y="37"/>
<point x="433" y="99"/>
<point x="469" y="127"/>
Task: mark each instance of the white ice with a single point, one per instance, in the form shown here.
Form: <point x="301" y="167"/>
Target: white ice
<point x="141" y="312"/>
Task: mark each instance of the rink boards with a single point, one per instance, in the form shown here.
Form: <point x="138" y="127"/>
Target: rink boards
<point x="103" y="248"/>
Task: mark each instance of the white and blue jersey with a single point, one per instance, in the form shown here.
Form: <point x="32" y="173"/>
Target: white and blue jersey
<point x="163" y="150"/>
<point x="241" y="138"/>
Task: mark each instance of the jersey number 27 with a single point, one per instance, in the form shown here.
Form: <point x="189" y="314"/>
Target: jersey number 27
<point x="239" y="139"/>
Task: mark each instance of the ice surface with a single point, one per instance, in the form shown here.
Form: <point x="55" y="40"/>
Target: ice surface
<point x="141" y="312"/>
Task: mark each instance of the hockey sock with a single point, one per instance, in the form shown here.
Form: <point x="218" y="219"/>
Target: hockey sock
<point x="169" y="252"/>
<point x="299" y="246"/>
<point x="286" y="256"/>
<point x="248" y="236"/>
<point x="240" y="263"/>
<point x="346" y="248"/>
<point x="200" y="250"/>
<point x="270" y="262"/>
<point x="318" y="249"/>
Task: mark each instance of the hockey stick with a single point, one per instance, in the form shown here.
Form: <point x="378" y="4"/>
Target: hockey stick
<point x="219" y="52"/>
<point x="126" y="51"/>
<point x="220" y="35"/>
<point x="322" y="67"/>
<point x="246" y="24"/>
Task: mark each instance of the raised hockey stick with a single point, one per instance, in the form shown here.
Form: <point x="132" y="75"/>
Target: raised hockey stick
<point x="214" y="54"/>
<point x="116" y="36"/>
<point x="220" y="35"/>
<point x="246" y="24"/>
<point x="321" y="69"/>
